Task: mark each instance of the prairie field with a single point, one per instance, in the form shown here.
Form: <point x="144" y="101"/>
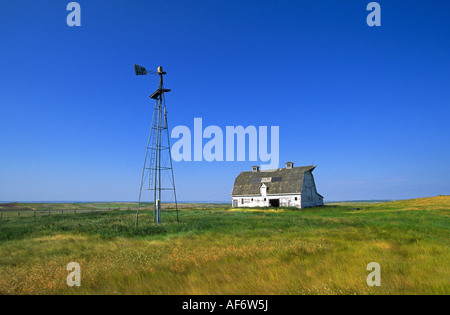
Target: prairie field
<point x="216" y="249"/>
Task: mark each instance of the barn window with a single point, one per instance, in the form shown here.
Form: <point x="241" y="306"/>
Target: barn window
<point x="296" y="198"/>
<point x="242" y="201"/>
<point x="252" y="199"/>
<point x="265" y="199"/>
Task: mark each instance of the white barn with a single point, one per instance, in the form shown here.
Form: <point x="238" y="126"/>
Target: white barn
<point x="283" y="187"/>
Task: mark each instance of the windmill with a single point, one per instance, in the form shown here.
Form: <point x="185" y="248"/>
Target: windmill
<point x="157" y="173"/>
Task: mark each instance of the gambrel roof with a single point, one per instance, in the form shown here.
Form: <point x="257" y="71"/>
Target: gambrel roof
<point x="278" y="181"/>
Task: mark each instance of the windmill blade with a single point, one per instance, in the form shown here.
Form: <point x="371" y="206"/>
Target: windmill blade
<point x="140" y="70"/>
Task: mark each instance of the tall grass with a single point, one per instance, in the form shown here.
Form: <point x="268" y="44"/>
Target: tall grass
<point x="233" y="251"/>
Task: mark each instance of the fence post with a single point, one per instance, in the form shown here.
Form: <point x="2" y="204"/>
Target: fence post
<point x="48" y="212"/>
<point x="75" y="211"/>
<point x="34" y="214"/>
<point x="18" y="214"/>
<point x="1" y="216"/>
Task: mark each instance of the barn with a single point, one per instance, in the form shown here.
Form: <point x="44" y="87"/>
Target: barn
<point x="282" y="187"/>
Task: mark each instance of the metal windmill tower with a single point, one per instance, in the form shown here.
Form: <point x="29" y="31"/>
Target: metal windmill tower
<point x="157" y="174"/>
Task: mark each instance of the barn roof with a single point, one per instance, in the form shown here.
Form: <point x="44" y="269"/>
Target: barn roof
<point x="278" y="181"/>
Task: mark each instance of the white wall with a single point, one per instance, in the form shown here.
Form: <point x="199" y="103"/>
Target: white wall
<point x="258" y="201"/>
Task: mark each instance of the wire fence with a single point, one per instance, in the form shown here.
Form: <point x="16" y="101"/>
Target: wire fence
<point x="14" y="214"/>
<point x="7" y="215"/>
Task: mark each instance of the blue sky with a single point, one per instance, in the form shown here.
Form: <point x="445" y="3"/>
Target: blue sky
<point x="368" y="105"/>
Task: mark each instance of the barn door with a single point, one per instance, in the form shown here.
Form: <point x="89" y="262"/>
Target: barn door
<point x="275" y="203"/>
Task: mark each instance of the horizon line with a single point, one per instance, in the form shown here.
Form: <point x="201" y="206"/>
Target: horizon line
<point x="191" y="201"/>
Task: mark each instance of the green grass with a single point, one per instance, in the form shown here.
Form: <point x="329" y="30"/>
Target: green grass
<point x="219" y="250"/>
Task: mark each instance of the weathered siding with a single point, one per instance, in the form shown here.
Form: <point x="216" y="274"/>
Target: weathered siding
<point x="310" y="196"/>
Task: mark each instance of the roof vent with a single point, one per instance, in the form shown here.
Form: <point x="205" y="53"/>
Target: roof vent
<point x="289" y="165"/>
<point x="255" y="168"/>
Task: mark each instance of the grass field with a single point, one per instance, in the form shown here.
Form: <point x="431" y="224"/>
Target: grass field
<point x="219" y="250"/>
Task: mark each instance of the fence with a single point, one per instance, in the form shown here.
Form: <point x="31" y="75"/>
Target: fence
<point x="12" y="214"/>
<point x="167" y="207"/>
<point x="6" y="215"/>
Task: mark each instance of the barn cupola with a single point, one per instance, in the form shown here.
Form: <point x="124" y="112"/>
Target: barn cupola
<point x="289" y="165"/>
<point x="255" y="169"/>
